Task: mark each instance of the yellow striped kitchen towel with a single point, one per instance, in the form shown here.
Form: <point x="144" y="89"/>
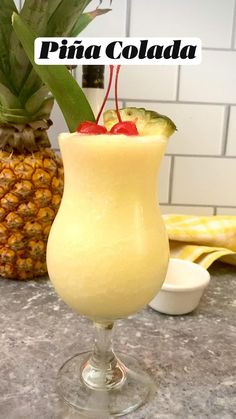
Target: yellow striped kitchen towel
<point x="202" y="239"/>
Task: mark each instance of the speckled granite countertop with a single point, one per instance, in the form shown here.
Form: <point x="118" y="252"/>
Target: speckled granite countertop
<point x="192" y="357"/>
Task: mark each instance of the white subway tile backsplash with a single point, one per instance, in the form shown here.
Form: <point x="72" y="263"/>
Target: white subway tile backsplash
<point x="214" y="80"/>
<point x="164" y="180"/>
<point x="200" y="127"/>
<point x="226" y="211"/>
<point x="148" y="82"/>
<point x="231" y="142"/>
<point x="210" y="20"/>
<point x="188" y="210"/>
<point x="204" y="181"/>
<point x="111" y="24"/>
<point x="59" y="125"/>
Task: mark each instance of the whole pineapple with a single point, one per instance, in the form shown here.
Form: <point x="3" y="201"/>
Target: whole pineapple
<point x="31" y="173"/>
<point x="31" y="185"/>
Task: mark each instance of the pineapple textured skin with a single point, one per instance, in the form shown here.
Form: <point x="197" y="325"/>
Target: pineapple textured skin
<point x="31" y="187"/>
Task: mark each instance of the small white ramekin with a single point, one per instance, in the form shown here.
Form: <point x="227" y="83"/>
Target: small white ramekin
<point x="182" y="289"/>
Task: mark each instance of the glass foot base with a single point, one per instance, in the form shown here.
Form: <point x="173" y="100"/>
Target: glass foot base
<point x="134" y="390"/>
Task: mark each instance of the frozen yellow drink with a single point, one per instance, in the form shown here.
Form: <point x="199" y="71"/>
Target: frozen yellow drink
<point x="108" y="250"/>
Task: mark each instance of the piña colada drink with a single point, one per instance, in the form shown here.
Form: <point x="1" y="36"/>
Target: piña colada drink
<point x="108" y="249"/>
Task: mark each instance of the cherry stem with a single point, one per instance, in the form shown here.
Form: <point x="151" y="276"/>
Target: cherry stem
<point x="107" y="93"/>
<point x="116" y="93"/>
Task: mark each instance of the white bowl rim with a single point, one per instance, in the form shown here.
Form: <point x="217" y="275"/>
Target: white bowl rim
<point x="204" y="278"/>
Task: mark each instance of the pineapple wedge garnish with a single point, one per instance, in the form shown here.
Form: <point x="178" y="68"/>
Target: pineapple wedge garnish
<point x="147" y="122"/>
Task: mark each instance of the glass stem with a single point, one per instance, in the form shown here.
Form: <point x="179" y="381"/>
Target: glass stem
<point x="103" y="371"/>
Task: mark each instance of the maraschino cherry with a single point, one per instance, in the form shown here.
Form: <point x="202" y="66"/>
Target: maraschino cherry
<point x="122" y="127"/>
<point x="89" y="127"/>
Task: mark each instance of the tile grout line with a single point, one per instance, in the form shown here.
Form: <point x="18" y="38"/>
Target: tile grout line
<point x="192" y="205"/>
<point x="231" y="49"/>
<point x="198" y="205"/>
<point x="183" y="102"/>
<point x="171" y="179"/>
<point x="178" y="83"/>
<point x="128" y="17"/>
<point x="233" y="33"/>
<point x="225" y="131"/>
<point x="205" y="156"/>
<point x="212" y="206"/>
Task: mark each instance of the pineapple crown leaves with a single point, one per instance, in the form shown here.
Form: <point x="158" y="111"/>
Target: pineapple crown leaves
<point x="6" y="10"/>
<point x="61" y="23"/>
<point x="23" y="95"/>
<point x="58" y="80"/>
